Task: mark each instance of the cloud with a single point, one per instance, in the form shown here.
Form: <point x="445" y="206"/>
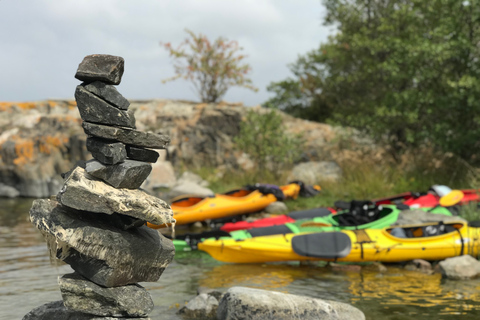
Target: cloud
<point x="43" y="41"/>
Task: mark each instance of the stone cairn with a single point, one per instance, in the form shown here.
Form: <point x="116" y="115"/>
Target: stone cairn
<point x="96" y="223"/>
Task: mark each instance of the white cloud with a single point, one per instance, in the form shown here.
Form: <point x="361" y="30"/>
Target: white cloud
<point x="43" y="41"/>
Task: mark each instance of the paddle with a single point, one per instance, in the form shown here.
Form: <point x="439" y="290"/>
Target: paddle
<point x="324" y="245"/>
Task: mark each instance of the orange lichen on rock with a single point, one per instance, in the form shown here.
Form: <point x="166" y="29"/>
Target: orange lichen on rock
<point x="26" y="105"/>
<point x="72" y="104"/>
<point x="24" y="150"/>
<point x="48" y="143"/>
<point x="4" y="106"/>
<point x="52" y="104"/>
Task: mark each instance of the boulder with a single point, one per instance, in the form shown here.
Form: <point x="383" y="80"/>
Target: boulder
<point x="189" y="188"/>
<point x="162" y="176"/>
<point x="188" y="176"/>
<point x="203" y="306"/>
<point x="83" y="192"/>
<point x="81" y="295"/>
<point x="248" y="303"/>
<point x="57" y="311"/>
<point x="129" y="174"/>
<point x="106" y="151"/>
<point x="276" y="207"/>
<point x="418" y="216"/>
<point x="314" y="172"/>
<point x="461" y="267"/>
<point x="108" y="93"/>
<point x="8" y="191"/>
<point x="97" y="110"/>
<point x="141" y="154"/>
<point x="419" y="265"/>
<point x="127" y="136"/>
<point x="99" y="251"/>
<point x="101" y="67"/>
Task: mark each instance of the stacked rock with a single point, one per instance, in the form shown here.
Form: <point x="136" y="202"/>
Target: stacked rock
<point x="96" y="224"/>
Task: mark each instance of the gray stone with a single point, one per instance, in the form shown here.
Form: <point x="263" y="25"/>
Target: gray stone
<point x="8" y="191"/>
<point x="276" y="207"/>
<point x="81" y="295"/>
<point x="108" y="93"/>
<point x="419" y="265"/>
<point x="314" y="172"/>
<point x="162" y="176"/>
<point x="101" y="67"/>
<point x="252" y="304"/>
<point x="107" y="151"/>
<point x="461" y="267"/>
<point x="57" y="311"/>
<point x="188" y="176"/>
<point x="203" y="306"/>
<point x="82" y="192"/>
<point x="141" y="154"/>
<point x="418" y="216"/>
<point x="129" y="174"/>
<point x="97" y="250"/>
<point x="97" y="110"/>
<point x="190" y="188"/>
<point x="127" y="136"/>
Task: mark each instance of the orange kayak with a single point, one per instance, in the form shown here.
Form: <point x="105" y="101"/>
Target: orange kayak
<point x="189" y="209"/>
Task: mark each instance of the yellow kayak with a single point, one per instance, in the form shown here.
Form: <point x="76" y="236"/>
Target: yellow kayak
<point x="189" y="209"/>
<point x="429" y="241"/>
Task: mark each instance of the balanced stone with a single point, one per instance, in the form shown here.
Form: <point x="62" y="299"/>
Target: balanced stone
<point x="107" y="151"/>
<point x="57" y="311"/>
<point x="141" y="154"/>
<point x="85" y="296"/>
<point x="129" y="174"/>
<point x="127" y="136"/>
<point x="101" y="67"/>
<point x="97" y="250"/>
<point x="83" y="192"/>
<point x="108" y="93"/>
<point x="95" y="109"/>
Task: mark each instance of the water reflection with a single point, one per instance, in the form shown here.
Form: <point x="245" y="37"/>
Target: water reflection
<point x="28" y="280"/>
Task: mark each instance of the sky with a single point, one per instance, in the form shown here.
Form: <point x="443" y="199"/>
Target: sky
<point x="43" y="41"/>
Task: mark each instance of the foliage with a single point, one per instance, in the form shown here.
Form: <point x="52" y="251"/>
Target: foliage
<point x="212" y="67"/>
<point x="405" y="71"/>
<point x="263" y="137"/>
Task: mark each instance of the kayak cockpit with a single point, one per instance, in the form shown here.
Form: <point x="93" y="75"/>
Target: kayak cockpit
<point x="427" y="230"/>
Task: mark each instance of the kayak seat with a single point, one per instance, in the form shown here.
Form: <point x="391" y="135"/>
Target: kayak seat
<point x="309" y="214"/>
<point x="327" y="245"/>
<point x="268" y="231"/>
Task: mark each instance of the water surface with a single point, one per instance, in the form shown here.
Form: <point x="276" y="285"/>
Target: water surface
<point x="28" y="280"/>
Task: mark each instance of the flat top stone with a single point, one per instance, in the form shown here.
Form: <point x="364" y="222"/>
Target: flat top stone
<point x="101" y="67"/>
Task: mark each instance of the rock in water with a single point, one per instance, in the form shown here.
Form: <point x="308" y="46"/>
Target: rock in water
<point x="461" y="267"/>
<point x="108" y="93"/>
<point x="252" y="304"/>
<point x="129" y="174"/>
<point x="57" y="311"/>
<point x="101" y="67"/>
<point x="106" y="151"/>
<point x="82" y="295"/>
<point x="127" y="136"/>
<point x="94" y="109"/>
<point x="83" y="192"/>
<point x="99" y="251"/>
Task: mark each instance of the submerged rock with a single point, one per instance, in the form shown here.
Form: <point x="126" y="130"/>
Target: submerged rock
<point x="252" y="304"/>
<point x="82" y="295"/>
<point x="101" y="67"/>
<point x="203" y="306"/>
<point x="129" y="174"/>
<point x="127" y="136"/>
<point x="57" y="311"/>
<point x="82" y="192"/>
<point x="99" y="251"/>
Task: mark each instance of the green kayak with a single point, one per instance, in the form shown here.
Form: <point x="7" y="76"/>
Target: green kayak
<point x="373" y="217"/>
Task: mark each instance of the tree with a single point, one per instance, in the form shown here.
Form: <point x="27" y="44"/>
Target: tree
<point x="263" y="137"/>
<point x="405" y="71"/>
<point x="212" y="67"/>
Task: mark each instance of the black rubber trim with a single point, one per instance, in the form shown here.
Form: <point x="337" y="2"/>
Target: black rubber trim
<point x="326" y="245"/>
<point x="309" y="214"/>
<point x="268" y="231"/>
